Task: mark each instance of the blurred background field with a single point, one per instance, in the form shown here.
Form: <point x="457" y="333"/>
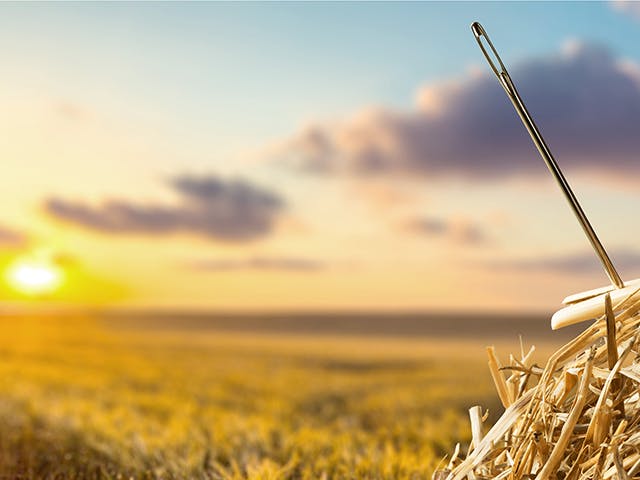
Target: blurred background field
<point x="121" y="396"/>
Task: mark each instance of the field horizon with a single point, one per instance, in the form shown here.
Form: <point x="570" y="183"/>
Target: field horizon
<point x="436" y="324"/>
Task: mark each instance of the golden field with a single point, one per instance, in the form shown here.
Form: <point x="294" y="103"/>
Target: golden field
<point x="85" y="397"/>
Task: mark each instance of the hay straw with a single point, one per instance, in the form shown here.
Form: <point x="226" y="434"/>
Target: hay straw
<point x="579" y="421"/>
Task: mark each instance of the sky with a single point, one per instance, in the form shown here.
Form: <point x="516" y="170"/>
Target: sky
<point x="313" y="156"/>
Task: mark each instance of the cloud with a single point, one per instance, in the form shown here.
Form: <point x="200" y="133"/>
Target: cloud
<point x="631" y="8"/>
<point x="231" y="210"/>
<point x="577" y="263"/>
<point x="586" y="102"/>
<point x="290" y="264"/>
<point x="459" y="230"/>
<point x="11" y="238"/>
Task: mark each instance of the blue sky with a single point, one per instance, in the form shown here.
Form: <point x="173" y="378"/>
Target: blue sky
<point x="110" y="105"/>
<point x="271" y="66"/>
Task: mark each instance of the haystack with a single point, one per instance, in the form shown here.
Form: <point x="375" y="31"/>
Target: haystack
<point x="576" y="418"/>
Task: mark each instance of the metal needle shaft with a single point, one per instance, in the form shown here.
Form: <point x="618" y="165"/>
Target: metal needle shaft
<point x="505" y="80"/>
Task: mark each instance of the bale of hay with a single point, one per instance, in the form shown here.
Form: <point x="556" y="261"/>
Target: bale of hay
<point x="576" y="418"/>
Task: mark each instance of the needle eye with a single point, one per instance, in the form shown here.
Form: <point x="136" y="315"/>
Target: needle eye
<point x="491" y="54"/>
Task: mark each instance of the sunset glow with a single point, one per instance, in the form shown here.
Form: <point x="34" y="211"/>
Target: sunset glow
<point x="34" y="278"/>
<point x="184" y="163"/>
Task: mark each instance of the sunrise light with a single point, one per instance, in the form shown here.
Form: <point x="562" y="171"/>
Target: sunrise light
<point x="34" y="278"/>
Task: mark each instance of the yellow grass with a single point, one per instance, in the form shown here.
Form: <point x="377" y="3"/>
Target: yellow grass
<point x="78" y="400"/>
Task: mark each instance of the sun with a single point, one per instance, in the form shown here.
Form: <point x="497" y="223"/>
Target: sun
<point x="34" y="277"/>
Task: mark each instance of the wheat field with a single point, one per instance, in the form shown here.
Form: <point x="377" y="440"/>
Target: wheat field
<point x="82" y="398"/>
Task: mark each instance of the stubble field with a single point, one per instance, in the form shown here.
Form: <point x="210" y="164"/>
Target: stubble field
<point x="90" y="397"/>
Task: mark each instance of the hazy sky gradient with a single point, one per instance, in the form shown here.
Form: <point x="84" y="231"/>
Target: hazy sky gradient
<point x="109" y="107"/>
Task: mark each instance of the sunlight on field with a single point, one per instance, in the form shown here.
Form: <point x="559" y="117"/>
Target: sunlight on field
<point x="81" y="400"/>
